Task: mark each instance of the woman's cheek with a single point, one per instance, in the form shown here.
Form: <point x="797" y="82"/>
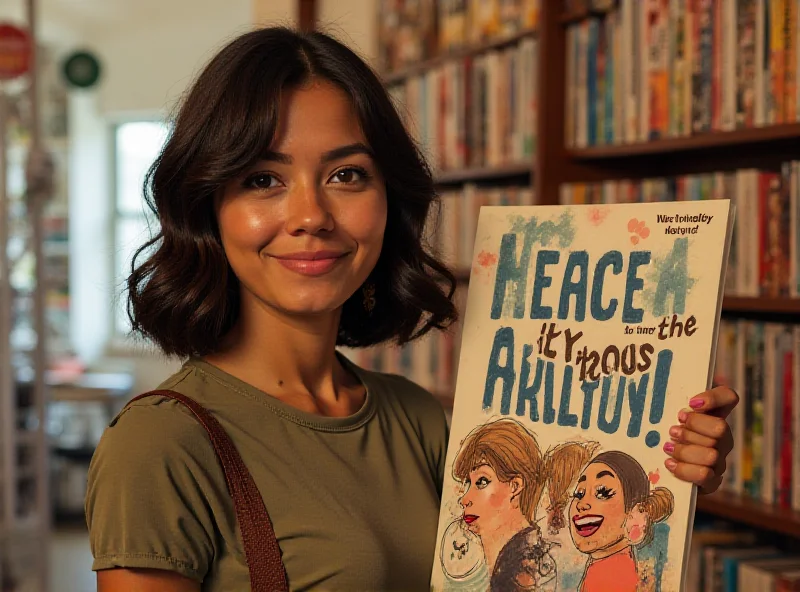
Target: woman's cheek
<point x="496" y="500"/>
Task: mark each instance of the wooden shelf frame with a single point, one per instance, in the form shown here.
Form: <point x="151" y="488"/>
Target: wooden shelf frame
<point x="752" y="512"/>
<point x="785" y="136"/>
<point x="392" y="78"/>
<point x="521" y="172"/>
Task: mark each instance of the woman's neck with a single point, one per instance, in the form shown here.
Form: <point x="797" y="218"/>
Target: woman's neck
<point x="291" y="358"/>
<point x="611" y="549"/>
<point x="494" y="541"/>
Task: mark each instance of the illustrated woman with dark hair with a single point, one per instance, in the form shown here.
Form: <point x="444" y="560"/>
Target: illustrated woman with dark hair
<point x="613" y="511"/>
<point x="505" y="474"/>
<point x="291" y="206"/>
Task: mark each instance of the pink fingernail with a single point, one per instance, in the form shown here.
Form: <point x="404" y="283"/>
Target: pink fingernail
<point x="669" y="447"/>
<point x="696" y="403"/>
<point x="675" y="431"/>
<point x="682" y="416"/>
<point x="671" y="463"/>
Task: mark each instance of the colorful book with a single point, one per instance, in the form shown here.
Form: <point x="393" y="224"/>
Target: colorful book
<point x="587" y="330"/>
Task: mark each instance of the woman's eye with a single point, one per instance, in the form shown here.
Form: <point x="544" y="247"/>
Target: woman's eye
<point x="261" y="181"/>
<point x="481" y="482"/>
<point x="604" y="493"/>
<point x="579" y="493"/>
<point x="349" y="175"/>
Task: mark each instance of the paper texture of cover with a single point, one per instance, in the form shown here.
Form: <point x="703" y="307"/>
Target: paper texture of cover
<point x="587" y="330"/>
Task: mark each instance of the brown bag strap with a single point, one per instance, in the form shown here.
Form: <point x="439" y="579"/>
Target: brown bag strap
<point x="261" y="550"/>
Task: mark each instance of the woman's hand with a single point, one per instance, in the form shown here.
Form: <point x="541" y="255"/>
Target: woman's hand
<point x="702" y="440"/>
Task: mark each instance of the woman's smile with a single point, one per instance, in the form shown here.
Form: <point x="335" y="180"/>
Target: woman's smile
<point x="311" y="263"/>
<point x="587" y="524"/>
<point x="470" y="518"/>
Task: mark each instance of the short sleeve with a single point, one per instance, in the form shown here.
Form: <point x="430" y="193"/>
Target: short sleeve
<point x="149" y="483"/>
<point x="432" y="424"/>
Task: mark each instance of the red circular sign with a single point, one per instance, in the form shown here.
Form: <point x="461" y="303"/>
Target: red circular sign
<point x="15" y="51"/>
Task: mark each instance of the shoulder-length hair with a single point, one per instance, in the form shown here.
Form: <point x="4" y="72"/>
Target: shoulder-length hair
<point x="184" y="295"/>
<point x="512" y="451"/>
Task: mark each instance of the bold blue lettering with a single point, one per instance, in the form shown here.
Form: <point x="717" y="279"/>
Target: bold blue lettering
<point x="509" y="271"/>
<point x="633" y="284"/>
<point x="577" y="260"/>
<point x="528" y="393"/>
<point x="565" y="418"/>
<point x="614" y="260"/>
<point x="674" y="279"/>
<point x="611" y="427"/>
<point x="503" y="341"/>
<point x="542" y="281"/>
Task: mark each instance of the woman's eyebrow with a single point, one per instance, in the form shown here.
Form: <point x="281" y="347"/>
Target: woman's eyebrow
<point x="345" y="151"/>
<point x="604" y="474"/>
<point x="329" y="156"/>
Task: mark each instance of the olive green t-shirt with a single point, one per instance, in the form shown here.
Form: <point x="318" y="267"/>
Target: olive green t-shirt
<point x="354" y="501"/>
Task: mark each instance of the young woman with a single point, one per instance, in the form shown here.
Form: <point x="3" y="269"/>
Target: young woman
<point x="292" y="206"/>
<point x="613" y="511"/>
<point x="505" y="474"/>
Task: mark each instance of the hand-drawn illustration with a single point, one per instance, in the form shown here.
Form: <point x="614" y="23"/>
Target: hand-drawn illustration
<point x="504" y="476"/>
<point x="612" y="514"/>
<point x="638" y="230"/>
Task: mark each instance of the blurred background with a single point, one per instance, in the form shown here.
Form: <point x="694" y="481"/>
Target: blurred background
<point x="108" y="74"/>
<point x="512" y="102"/>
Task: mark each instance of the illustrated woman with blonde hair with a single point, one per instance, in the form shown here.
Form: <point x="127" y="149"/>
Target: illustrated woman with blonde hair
<point x="613" y="512"/>
<point x="504" y="475"/>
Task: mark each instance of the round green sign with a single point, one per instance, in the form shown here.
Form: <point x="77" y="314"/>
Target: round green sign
<point x="82" y="69"/>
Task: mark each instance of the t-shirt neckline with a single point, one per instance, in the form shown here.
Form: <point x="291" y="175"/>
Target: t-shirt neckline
<point x="303" y="418"/>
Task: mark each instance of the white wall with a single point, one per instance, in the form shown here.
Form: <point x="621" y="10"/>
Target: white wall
<point x="148" y="64"/>
<point x="274" y="12"/>
<point x="149" y="59"/>
<point x="353" y="22"/>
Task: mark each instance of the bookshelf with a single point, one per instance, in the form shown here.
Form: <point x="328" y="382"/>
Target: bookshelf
<point x="705" y="152"/>
<point x="750" y="512"/>
<point x="520" y="173"/>
<point x="457" y="54"/>
<point x="556" y="163"/>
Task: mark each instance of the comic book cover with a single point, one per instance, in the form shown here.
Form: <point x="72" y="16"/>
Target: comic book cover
<point x="587" y="330"/>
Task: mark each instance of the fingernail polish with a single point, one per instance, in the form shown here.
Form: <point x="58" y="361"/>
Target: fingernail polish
<point x="670" y="463"/>
<point x="675" y="432"/>
<point x="682" y="416"/>
<point x="669" y="447"/>
<point x="696" y="403"/>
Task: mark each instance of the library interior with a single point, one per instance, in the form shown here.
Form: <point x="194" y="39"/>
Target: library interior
<point x="512" y="102"/>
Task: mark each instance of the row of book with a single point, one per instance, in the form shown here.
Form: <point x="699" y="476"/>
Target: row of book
<point x="478" y="111"/>
<point x="764" y="258"/>
<point x="455" y="230"/>
<point x="726" y="559"/>
<point x="414" y="30"/>
<point x="429" y="361"/>
<point x="761" y="362"/>
<point x="667" y="68"/>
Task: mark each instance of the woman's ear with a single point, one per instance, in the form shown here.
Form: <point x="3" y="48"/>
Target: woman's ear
<point x="517" y="485"/>
<point x="637" y="524"/>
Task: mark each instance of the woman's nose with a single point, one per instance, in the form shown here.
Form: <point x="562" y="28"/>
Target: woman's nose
<point x="584" y="506"/>
<point x="308" y="211"/>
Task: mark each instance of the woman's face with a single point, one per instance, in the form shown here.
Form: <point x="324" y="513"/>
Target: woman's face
<point x="487" y="501"/>
<point x="597" y="512"/>
<point x="303" y="227"/>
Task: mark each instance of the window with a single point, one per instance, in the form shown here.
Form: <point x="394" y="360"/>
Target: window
<point x="137" y="144"/>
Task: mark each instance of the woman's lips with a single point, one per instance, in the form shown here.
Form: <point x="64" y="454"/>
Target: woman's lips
<point x="311" y="263"/>
<point x="587" y="524"/>
<point x="470" y="518"/>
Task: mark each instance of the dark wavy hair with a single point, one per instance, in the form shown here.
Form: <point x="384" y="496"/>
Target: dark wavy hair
<point x="184" y="295"/>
